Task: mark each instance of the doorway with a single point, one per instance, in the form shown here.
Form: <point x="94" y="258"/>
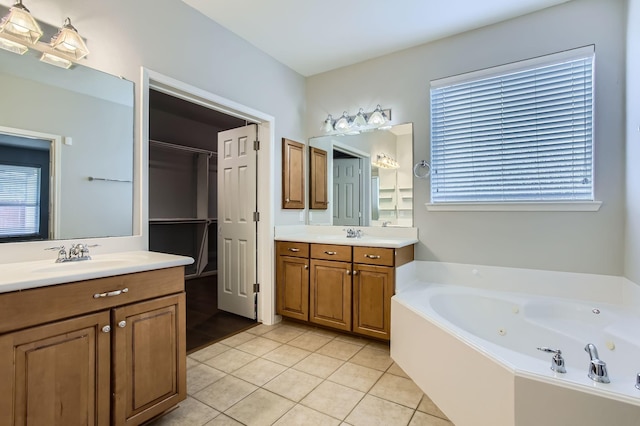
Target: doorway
<point x="184" y="206"/>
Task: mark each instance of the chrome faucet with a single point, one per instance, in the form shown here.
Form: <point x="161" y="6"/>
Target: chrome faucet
<point x="557" y="362"/>
<point x="353" y="233"/>
<point x="597" y="367"/>
<point x="76" y="252"/>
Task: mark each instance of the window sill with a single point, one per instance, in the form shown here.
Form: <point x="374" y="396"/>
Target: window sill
<point x="567" y="206"/>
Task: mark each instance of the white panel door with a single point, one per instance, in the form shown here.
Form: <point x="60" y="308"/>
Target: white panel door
<point x="346" y="191"/>
<point x="236" y="227"/>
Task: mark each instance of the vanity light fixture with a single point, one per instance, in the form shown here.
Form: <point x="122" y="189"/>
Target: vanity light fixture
<point x="19" y="29"/>
<point x="361" y="122"/>
<point x="377" y="117"/>
<point x="69" y="42"/>
<point x="383" y="161"/>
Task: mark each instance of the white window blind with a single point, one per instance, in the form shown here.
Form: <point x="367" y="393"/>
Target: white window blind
<point x="19" y="200"/>
<point x="517" y="133"/>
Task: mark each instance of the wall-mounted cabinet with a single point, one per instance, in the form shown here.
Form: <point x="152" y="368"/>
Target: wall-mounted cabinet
<point x="293" y="187"/>
<point x="183" y="203"/>
<point x="318" y="169"/>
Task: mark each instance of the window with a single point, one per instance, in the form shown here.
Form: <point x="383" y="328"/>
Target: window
<point x="24" y="191"/>
<point x="516" y="133"/>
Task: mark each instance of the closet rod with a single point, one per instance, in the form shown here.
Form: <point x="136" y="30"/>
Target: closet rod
<point x="182" y="147"/>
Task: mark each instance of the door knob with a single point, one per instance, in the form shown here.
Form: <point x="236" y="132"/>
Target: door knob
<point x="122" y="324"/>
<point x="106" y="329"/>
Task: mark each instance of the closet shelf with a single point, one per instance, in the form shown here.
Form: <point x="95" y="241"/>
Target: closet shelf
<point x="170" y="220"/>
<point x="172" y="146"/>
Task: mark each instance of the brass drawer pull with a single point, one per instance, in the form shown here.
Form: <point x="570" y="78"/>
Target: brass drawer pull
<point x="110" y="293"/>
<point x="330" y="253"/>
<point x="372" y="256"/>
<point x="295" y="250"/>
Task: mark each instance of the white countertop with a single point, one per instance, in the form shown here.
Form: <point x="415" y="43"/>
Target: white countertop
<point x="40" y="273"/>
<point x="371" y="236"/>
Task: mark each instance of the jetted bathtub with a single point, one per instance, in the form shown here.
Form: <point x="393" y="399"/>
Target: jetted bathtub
<point x="474" y="351"/>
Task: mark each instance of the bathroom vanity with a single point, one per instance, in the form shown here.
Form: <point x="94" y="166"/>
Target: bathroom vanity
<point x="338" y="282"/>
<point x="108" y="350"/>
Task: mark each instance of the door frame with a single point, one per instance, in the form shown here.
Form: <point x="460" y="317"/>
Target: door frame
<point x="265" y="187"/>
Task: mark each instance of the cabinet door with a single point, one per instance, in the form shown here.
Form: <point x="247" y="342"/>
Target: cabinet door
<point x="372" y="290"/>
<point x="292" y="174"/>
<point x="318" y="194"/>
<point x="149" y="366"/>
<point x="57" y="374"/>
<point x="330" y="294"/>
<point x="292" y="287"/>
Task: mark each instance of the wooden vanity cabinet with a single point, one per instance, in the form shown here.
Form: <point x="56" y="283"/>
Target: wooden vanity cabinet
<point x="292" y="277"/>
<point x="293" y="185"/>
<point x="69" y="355"/>
<point x="318" y="168"/>
<point x="330" y="286"/>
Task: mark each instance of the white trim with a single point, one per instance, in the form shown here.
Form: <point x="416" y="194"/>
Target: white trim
<point x="576" y="206"/>
<point x="580" y="52"/>
<point x="55" y="173"/>
<point x="266" y="160"/>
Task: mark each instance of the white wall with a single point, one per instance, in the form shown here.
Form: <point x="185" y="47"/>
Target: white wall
<point x="590" y="242"/>
<point x="171" y="38"/>
<point x="632" y="258"/>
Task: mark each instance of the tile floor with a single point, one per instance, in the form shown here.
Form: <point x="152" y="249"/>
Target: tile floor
<point x="292" y="374"/>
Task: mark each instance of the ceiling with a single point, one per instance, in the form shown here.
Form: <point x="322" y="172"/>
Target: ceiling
<point x="313" y="36"/>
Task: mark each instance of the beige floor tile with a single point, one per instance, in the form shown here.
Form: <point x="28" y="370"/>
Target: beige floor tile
<point x="261" y="408"/>
<point x="397" y="371"/>
<point x="372" y="358"/>
<point x="258" y="346"/>
<point x="189" y="412"/>
<point x="283" y="334"/>
<point x="202" y="376"/>
<point x="287" y="355"/>
<point x="372" y="411"/>
<point x="423" y="419"/>
<point x="339" y="349"/>
<point x="381" y="346"/>
<point x="259" y="371"/>
<point x="301" y="415"/>
<point x="261" y="329"/>
<point x="356" y="340"/>
<point x="191" y="363"/>
<point x="223" y="420"/>
<point x="293" y="384"/>
<point x="225" y="392"/>
<point x="230" y="360"/>
<point x="238" y="339"/>
<point x="310" y="341"/>
<point x="324" y="332"/>
<point x="333" y="399"/>
<point x="319" y="365"/>
<point x="356" y="376"/>
<point x="397" y="389"/>
<point x="428" y="406"/>
<point x="209" y="352"/>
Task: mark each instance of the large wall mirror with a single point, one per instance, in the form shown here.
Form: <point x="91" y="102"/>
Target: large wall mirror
<point x="370" y="178"/>
<point x="82" y="122"/>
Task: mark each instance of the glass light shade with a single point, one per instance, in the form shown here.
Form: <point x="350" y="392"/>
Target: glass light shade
<point x="343" y="122"/>
<point x="12" y="46"/>
<point x="19" y="23"/>
<point x="385" y="162"/>
<point x="69" y="42"/>
<point x="56" y="60"/>
<point x="360" y="120"/>
<point x="377" y="117"/>
<point x="327" y="125"/>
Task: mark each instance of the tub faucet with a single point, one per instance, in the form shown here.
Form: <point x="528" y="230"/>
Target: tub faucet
<point x="557" y="362"/>
<point x="597" y="367"/>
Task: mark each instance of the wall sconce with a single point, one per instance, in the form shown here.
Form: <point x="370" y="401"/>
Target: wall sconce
<point x="20" y="31"/>
<point x="383" y="161"/>
<point x="360" y="122"/>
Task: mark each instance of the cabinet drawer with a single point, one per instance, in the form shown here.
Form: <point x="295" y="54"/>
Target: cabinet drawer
<point x="331" y="252"/>
<point x="374" y="255"/>
<point x="287" y="248"/>
<point x="21" y="309"/>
